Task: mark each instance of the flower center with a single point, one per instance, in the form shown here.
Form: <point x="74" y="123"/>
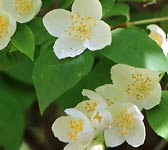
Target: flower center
<point x="4" y="24"/>
<point x="156" y="37"/>
<point x="140" y="86"/>
<point x="90" y="106"/>
<point x="98" y="117"/>
<point x="76" y="127"/>
<point x="124" y="122"/>
<point x="81" y="28"/>
<point x="23" y="7"/>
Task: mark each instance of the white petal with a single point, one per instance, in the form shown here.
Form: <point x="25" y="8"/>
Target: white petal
<point x="164" y="47"/>
<point x="136" y="136"/>
<point x="92" y="95"/>
<point x="5" y="39"/>
<point x="60" y="128"/>
<point x="87" y="134"/>
<point x="101" y="37"/>
<point x="113" y="138"/>
<point x="153" y="99"/>
<point x="22" y="16"/>
<point x="155" y="28"/>
<point x="107" y="92"/>
<point x="88" y="8"/>
<point x="74" y="146"/>
<point x="66" y="46"/>
<point x="101" y="120"/>
<point x="56" y="21"/>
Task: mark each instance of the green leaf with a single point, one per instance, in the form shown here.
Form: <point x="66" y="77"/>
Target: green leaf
<point x="164" y="24"/>
<point x="65" y="3"/>
<point x="15" y="99"/>
<point x="121" y="9"/>
<point x="8" y="59"/>
<point x="22" y="71"/>
<point x="23" y="40"/>
<point x="133" y="47"/>
<point x="99" y="75"/>
<point x="40" y="33"/>
<point x="157" y="117"/>
<point x="53" y="77"/>
<point x="107" y="6"/>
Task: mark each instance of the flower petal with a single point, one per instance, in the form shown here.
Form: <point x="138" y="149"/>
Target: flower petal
<point x="113" y="138"/>
<point x="10" y="28"/>
<point x="87" y="133"/>
<point x="56" y="21"/>
<point x="153" y="99"/>
<point x="88" y="8"/>
<point x="22" y="11"/>
<point x="164" y="47"/>
<point x="155" y="28"/>
<point x="136" y="136"/>
<point x="74" y="146"/>
<point x="60" y="128"/>
<point x="66" y="46"/>
<point x="101" y="37"/>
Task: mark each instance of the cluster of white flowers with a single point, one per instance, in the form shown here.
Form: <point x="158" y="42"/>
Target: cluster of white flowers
<point x="12" y="11"/>
<point x="112" y="111"/>
<point x="79" y="29"/>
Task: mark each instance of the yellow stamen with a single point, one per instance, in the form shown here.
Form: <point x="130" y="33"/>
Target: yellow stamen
<point x="23" y="7"/>
<point x="90" y="106"/>
<point x="156" y="37"/>
<point x="4" y="25"/>
<point x="98" y="117"/>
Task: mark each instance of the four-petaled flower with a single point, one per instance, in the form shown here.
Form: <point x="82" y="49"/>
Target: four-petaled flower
<point x="159" y="36"/>
<point x="74" y="129"/>
<point x="79" y="29"/>
<point x="136" y="85"/>
<point x="7" y="28"/>
<point x="22" y="10"/>
<point x="126" y="125"/>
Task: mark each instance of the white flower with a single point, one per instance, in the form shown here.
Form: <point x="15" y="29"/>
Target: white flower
<point x="22" y="10"/>
<point x="7" y="28"/>
<point x="79" y="29"/>
<point x="74" y="129"/>
<point x="159" y="36"/>
<point x="94" y="109"/>
<point x="127" y="125"/>
<point x="136" y="85"/>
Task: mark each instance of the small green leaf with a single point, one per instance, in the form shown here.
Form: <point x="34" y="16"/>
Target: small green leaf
<point x="65" y="3"/>
<point x="157" y="117"/>
<point x="23" y="40"/>
<point x="134" y="47"/>
<point x="15" y="99"/>
<point x="52" y="77"/>
<point x="40" y="33"/>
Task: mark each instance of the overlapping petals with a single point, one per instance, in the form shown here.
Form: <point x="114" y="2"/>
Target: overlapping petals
<point x="79" y="29"/>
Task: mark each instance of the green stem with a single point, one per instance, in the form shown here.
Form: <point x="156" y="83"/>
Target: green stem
<point x="161" y="76"/>
<point x="145" y="21"/>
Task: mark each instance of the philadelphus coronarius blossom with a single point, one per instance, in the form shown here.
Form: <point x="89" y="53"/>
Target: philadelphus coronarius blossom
<point x="159" y="36"/>
<point x="22" y="10"/>
<point x="74" y="129"/>
<point x="7" y="28"/>
<point x="79" y="29"/>
<point x="136" y="85"/>
<point x="127" y="125"/>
